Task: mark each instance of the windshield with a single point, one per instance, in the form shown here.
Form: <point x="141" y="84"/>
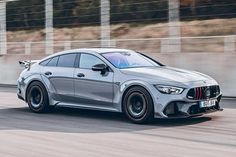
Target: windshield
<point x="123" y="60"/>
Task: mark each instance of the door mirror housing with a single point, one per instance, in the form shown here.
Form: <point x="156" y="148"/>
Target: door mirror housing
<point x="100" y="67"/>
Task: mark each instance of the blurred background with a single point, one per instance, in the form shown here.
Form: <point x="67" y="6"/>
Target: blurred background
<point x="192" y="34"/>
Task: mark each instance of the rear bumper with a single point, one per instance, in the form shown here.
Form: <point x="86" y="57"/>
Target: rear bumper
<point x="20" y="97"/>
<point x="20" y="90"/>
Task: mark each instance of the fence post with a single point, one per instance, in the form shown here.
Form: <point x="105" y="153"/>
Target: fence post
<point x="3" y="38"/>
<point x="28" y="48"/>
<point x="229" y="44"/>
<point x="105" y="23"/>
<point x="49" y="46"/>
<point x="173" y="44"/>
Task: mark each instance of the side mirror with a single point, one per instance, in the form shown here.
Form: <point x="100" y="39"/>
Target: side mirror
<point x="100" y="67"/>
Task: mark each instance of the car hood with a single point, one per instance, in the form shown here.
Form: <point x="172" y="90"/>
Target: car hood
<point x="165" y="73"/>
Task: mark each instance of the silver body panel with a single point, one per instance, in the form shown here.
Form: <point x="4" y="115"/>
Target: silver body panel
<point x="94" y="89"/>
<point x="105" y="92"/>
<point x="61" y="80"/>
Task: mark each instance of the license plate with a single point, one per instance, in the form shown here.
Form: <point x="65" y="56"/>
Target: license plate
<point x="208" y="103"/>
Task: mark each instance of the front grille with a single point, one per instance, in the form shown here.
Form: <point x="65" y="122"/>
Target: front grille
<point x="205" y="92"/>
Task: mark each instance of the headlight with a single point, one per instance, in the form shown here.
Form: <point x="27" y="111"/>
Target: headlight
<point x="169" y="89"/>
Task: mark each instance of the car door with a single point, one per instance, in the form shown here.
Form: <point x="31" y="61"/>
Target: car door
<point x="60" y="74"/>
<point x="91" y="87"/>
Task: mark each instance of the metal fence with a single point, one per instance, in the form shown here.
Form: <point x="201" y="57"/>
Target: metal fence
<point x="172" y="39"/>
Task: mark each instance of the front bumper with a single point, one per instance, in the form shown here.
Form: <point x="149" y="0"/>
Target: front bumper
<point x="180" y="106"/>
<point x="182" y="109"/>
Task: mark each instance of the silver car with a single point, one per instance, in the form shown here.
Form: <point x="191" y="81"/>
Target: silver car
<point x="117" y="80"/>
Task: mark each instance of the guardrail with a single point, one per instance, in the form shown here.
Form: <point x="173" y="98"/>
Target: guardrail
<point x="215" y="44"/>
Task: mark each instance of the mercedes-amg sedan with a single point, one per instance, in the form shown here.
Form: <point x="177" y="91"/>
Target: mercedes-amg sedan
<point x="117" y="80"/>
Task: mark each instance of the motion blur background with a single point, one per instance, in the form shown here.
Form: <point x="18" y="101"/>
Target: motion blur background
<point x="192" y="34"/>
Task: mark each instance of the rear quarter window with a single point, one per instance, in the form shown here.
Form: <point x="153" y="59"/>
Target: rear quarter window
<point x="53" y="62"/>
<point x="44" y="63"/>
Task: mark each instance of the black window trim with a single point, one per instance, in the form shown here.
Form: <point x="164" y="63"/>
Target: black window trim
<point x="76" y="57"/>
<point x="77" y="60"/>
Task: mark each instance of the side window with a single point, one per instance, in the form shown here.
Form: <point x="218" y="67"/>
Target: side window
<point x="53" y="62"/>
<point x="44" y="63"/>
<point x="87" y="61"/>
<point x="67" y="60"/>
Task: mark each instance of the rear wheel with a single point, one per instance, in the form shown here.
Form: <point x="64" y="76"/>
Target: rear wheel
<point x="37" y="98"/>
<point x="138" y="105"/>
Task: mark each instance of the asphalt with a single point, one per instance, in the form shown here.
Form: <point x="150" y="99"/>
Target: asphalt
<point x="73" y="132"/>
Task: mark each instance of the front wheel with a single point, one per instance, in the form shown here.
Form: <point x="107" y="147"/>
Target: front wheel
<point x="37" y="98"/>
<point x="138" y="105"/>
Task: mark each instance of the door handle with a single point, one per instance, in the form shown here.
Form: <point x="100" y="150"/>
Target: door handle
<point x="80" y="75"/>
<point x="48" y="73"/>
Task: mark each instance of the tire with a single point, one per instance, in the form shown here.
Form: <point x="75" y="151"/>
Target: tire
<point x="37" y="98"/>
<point x="138" y="105"/>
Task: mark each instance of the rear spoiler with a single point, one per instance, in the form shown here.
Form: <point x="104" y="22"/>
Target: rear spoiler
<point x="27" y="64"/>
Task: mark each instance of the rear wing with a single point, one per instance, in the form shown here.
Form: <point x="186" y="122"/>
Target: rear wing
<point x="27" y="64"/>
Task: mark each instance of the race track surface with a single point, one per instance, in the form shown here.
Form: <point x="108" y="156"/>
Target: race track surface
<point x="74" y="132"/>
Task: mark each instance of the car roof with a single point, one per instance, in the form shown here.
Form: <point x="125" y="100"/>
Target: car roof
<point x="88" y="50"/>
<point x="99" y="50"/>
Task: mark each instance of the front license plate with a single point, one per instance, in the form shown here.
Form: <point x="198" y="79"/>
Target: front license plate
<point x="208" y="103"/>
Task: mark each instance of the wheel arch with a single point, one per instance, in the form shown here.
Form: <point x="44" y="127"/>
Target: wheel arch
<point x="28" y="85"/>
<point x="132" y="86"/>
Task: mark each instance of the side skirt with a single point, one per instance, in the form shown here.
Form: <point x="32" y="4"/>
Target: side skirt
<point x="90" y="107"/>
